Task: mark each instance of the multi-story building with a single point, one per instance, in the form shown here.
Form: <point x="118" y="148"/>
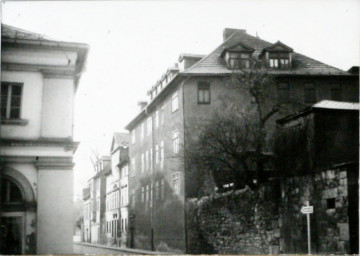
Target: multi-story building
<point x="158" y="182"/>
<point x="39" y="78"/>
<point x="97" y="185"/>
<point x="113" y="218"/>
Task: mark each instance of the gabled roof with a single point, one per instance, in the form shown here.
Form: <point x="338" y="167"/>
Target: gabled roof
<point x="278" y="46"/>
<point x="214" y="64"/>
<point x="120" y="139"/>
<point x="239" y="47"/>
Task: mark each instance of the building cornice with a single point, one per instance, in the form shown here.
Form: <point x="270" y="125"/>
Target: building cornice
<point x="41" y="163"/>
<point x="68" y="145"/>
<point x="81" y="49"/>
<point x="47" y="70"/>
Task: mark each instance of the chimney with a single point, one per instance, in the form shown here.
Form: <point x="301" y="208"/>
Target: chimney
<point x="142" y="104"/>
<point x="229" y="31"/>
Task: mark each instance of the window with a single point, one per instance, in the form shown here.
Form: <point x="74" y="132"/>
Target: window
<point x="279" y="60"/>
<point x="162" y="154"/>
<point x="10" y="192"/>
<point x="142" y="163"/>
<point x="162" y="114"/>
<point x="132" y="170"/>
<point x="142" y="194"/>
<point x="174" y="101"/>
<point x="330" y="203"/>
<point x="176" y="183"/>
<point x="151" y="159"/>
<point x="203" y="93"/>
<point x="283" y="93"/>
<point x="309" y="93"/>
<point x="142" y="130"/>
<point x="156" y="119"/>
<point x="132" y="197"/>
<point x="157" y="190"/>
<point x="274" y="63"/>
<point x="133" y="138"/>
<point x="175" y="140"/>
<point x="10" y="100"/>
<point x="162" y="189"/>
<point x="156" y="154"/>
<point x="147" y="194"/>
<point x="146" y="160"/>
<point x="149" y="125"/>
<point x="336" y="92"/>
<point x="151" y="194"/>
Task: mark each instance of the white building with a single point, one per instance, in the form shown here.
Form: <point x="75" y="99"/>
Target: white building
<point x="38" y="82"/>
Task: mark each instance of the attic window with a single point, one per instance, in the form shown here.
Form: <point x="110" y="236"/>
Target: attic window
<point x="237" y="56"/>
<point x="239" y="60"/>
<point x="279" y="60"/>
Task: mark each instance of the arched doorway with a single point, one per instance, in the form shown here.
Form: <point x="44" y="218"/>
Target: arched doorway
<point x="17" y="207"/>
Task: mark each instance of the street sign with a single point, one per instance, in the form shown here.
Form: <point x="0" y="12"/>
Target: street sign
<point x="307" y="209"/>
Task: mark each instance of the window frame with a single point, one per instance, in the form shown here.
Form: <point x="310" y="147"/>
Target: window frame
<point x="280" y="91"/>
<point x="175" y="141"/>
<point x="9" y="96"/>
<point x="310" y="88"/>
<point x="336" y="88"/>
<point x="203" y="87"/>
<point x="175" y="101"/>
<point x="176" y="183"/>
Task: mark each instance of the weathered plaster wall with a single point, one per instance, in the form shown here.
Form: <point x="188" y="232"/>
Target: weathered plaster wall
<point x="57" y="111"/>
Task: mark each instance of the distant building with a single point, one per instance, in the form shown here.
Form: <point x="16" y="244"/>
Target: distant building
<point x="114" y="190"/>
<point x="318" y="156"/>
<point x="97" y="185"/>
<point x="39" y="80"/>
<point x="194" y="88"/>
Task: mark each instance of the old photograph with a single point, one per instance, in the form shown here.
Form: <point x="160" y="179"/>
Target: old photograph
<point x="179" y="127"/>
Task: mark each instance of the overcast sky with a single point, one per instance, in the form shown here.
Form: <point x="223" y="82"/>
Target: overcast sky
<point x="133" y="43"/>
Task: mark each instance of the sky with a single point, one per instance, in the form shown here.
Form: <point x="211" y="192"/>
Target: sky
<point x="132" y="43"/>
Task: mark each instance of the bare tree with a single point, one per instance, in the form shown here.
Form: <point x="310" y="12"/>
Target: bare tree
<point x="233" y="146"/>
<point x="95" y="157"/>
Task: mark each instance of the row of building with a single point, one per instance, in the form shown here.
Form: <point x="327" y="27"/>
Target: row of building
<point x="139" y="200"/>
<point x="106" y="199"/>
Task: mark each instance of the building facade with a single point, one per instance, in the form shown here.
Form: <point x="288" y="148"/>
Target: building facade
<point x="114" y="190"/>
<point x="196" y="87"/>
<point x="39" y="79"/>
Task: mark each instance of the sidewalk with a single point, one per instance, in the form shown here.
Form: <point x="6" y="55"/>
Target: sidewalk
<point x="88" y="248"/>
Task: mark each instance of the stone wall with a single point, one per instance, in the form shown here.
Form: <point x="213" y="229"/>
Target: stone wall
<point x="270" y="219"/>
<point x="240" y="222"/>
<point x="327" y="191"/>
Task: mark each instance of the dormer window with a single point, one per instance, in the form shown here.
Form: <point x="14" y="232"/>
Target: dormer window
<point x="277" y="56"/>
<point x="279" y="60"/>
<point x="238" y="56"/>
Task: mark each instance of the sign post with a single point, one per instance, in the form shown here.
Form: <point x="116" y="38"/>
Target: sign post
<point x="308" y="210"/>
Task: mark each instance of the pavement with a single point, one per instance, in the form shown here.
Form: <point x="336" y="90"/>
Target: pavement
<point x="87" y="248"/>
